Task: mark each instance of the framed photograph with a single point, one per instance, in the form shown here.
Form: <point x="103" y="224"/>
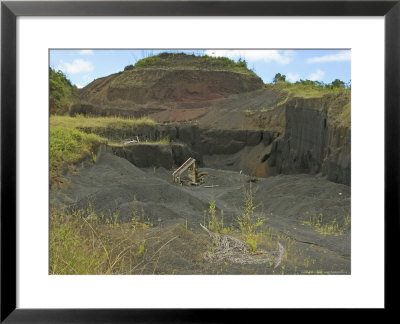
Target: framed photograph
<point x="160" y="158"/>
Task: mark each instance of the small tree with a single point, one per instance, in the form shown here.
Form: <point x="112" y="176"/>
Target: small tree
<point x="242" y="63"/>
<point x="338" y="84"/>
<point x="128" y="67"/>
<point x="279" y="78"/>
<point x="249" y="223"/>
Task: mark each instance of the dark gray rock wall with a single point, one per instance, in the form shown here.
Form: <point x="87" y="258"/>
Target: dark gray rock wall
<point x="216" y="141"/>
<point x="167" y="156"/>
<point x="311" y="144"/>
<point x="337" y="165"/>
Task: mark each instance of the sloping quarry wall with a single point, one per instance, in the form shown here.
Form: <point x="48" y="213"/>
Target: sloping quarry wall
<point x="311" y="144"/>
<point x="158" y="155"/>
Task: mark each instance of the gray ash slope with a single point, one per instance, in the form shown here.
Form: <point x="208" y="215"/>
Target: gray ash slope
<point x="113" y="186"/>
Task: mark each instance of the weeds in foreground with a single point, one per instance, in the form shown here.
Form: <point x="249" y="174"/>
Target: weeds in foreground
<point x="82" y="242"/>
<point x="331" y="228"/>
<point x="214" y="223"/>
<point x="249" y="223"/>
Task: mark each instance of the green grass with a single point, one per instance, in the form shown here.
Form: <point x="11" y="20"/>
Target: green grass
<point x="328" y="228"/>
<point x="338" y="100"/>
<point x="81" y="242"/>
<point x="99" y="122"/>
<point x="69" y="146"/>
<point x="304" y="90"/>
<point x="75" y="138"/>
<point x="181" y="60"/>
<point x="162" y="141"/>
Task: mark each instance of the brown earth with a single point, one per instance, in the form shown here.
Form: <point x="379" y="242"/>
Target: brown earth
<point x="161" y="86"/>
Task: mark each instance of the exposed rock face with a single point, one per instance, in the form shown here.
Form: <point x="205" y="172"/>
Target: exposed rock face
<point x="337" y="166"/>
<point x="142" y="86"/>
<point x="157" y="155"/>
<point x="130" y="92"/>
<point x="215" y="141"/>
<point x="187" y="141"/>
<point x="311" y="144"/>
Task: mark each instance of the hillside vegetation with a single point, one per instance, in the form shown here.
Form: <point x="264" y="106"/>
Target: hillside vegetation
<point x="98" y="122"/>
<point x="191" y="62"/>
<point x="337" y="99"/>
<point x="73" y="139"/>
<point x="69" y="146"/>
<point x="62" y="94"/>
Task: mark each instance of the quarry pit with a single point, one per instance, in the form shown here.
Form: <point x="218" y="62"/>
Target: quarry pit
<point x="292" y="152"/>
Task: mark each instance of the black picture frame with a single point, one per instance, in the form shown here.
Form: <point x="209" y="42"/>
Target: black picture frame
<point x="10" y="10"/>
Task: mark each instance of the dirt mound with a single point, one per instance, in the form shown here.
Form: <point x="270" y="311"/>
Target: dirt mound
<point x="163" y="80"/>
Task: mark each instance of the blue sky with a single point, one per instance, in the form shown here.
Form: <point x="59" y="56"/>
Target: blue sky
<point x="85" y="65"/>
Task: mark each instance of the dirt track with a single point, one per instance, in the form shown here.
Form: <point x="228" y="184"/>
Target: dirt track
<point x="285" y="202"/>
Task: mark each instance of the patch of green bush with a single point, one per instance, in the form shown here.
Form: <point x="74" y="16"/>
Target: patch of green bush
<point x="62" y="94"/>
<point x="68" y="146"/>
<point x="182" y="60"/>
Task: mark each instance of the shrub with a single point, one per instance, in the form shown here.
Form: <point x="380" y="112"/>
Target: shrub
<point x="128" y="67"/>
<point x="249" y="224"/>
<point x="62" y="94"/>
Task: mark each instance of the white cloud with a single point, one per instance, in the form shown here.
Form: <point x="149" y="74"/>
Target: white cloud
<point x="78" y="85"/>
<point x="281" y="57"/>
<point x="338" y="57"/>
<point x="317" y="75"/>
<point x="292" y="77"/>
<point x="86" y="52"/>
<point x="77" y="66"/>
